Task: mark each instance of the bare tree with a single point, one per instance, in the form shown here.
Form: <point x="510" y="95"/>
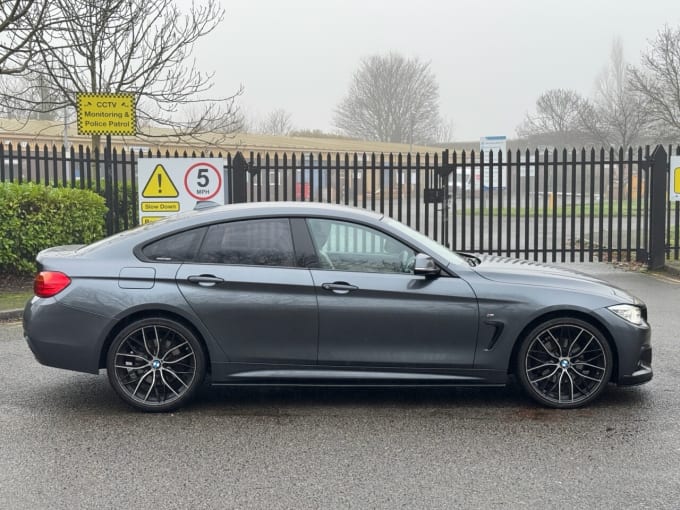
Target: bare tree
<point x="38" y="93"/>
<point x="278" y="122"/>
<point x="621" y="112"/>
<point x="136" y="46"/>
<point x="658" y="80"/>
<point x="17" y="34"/>
<point x="559" y="119"/>
<point x="592" y="128"/>
<point x="445" y="132"/>
<point x="391" y="99"/>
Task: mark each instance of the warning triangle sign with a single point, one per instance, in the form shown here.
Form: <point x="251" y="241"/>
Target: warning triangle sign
<point x="160" y="185"/>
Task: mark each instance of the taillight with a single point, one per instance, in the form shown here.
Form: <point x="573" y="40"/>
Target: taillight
<point x="50" y="283"/>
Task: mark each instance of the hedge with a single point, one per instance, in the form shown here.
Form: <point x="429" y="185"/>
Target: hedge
<point x="122" y="207"/>
<point x="34" y="217"/>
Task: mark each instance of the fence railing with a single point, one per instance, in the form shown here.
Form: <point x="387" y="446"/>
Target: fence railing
<point x="554" y="206"/>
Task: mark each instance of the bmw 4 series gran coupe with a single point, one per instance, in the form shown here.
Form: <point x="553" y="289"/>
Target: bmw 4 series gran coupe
<point x="310" y="294"/>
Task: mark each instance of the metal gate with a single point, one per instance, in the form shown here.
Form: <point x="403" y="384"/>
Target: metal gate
<point x="551" y="206"/>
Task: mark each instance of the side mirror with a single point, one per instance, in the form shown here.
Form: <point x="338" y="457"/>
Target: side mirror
<point x="425" y="265"/>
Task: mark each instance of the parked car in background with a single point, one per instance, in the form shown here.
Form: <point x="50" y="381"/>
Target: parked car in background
<point x="462" y="185"/>
<point x="306" y="294"/>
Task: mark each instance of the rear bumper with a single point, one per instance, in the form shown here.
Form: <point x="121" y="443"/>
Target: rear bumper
<point x="62" y="337"/>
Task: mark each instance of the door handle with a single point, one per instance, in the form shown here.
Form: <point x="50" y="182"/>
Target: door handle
<point x="339" y="287"/>
<point x="205" y="280"/>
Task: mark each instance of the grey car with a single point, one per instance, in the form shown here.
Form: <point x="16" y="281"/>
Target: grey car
<point x="315" y="294"/>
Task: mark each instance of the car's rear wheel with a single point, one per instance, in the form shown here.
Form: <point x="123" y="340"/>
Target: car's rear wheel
<point x="156" y="364"/>
<point x="564" y="363"/>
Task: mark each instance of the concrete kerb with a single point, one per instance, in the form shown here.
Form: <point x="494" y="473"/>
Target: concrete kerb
<point x="11" y="315"/>
<point x="672" y="267"/>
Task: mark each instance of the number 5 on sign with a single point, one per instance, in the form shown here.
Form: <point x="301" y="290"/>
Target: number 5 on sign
<point x="203" y="180"/>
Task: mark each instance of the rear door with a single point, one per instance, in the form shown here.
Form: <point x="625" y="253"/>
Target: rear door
<point x="245" y="287"/>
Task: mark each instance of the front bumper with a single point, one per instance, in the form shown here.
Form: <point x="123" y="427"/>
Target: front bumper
<point x="633" y="349"/>
<point x="643" y="370"/>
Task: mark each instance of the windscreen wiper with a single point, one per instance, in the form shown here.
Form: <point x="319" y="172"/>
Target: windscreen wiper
<point x="473" y="260"/>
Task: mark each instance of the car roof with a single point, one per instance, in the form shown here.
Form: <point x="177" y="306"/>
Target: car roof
<point x="231" y="212"/>
<point x="263" y="209"/>
<point x="297" y="207"/>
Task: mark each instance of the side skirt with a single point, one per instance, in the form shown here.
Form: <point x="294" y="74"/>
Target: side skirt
<point x="312" y="375"/>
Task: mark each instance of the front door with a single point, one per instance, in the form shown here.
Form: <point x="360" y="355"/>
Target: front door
<point x="373" y="311"/>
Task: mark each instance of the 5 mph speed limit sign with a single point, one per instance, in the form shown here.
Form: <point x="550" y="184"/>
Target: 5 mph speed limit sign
<point x="203" y="180"/>
<point x="171" y="185"/>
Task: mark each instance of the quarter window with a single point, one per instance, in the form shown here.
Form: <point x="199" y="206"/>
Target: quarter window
<point x="266" y="242"/>
<point x="178" y="247"/>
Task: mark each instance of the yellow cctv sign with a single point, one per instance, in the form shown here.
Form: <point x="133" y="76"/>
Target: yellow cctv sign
<point x="106" y="114"/>
<point x="675" y="179"/>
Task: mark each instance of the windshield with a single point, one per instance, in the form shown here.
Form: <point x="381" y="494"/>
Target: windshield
<point x="431" y="245"/>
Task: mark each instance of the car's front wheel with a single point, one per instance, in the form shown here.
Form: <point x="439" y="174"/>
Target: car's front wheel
<point x="155" y="364"/>
<point x="564" y="363"/>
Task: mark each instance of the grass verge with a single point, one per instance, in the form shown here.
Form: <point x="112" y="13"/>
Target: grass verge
<point x="14" y="300"/>
<point x="15" y="291"/>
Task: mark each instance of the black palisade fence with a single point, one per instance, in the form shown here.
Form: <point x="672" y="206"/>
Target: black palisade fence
<point x="566" y="205"/>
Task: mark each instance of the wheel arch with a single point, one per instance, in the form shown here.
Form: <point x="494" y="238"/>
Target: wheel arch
<point x="564" y="314"/>
<point x="145" y="314"/>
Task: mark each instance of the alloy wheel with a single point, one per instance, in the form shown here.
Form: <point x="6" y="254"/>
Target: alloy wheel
<point x="155" y="364"/>
<point x="566" y="364"/>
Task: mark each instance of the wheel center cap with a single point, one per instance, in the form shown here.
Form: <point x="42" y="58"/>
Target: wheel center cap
<point x="565" y="363"/>
<point x="156" y="364"/>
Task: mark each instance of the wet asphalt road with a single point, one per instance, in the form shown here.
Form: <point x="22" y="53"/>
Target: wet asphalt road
<point x="66" y="441"/>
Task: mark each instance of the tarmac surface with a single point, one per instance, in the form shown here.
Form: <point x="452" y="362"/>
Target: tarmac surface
<point x="67" y="441"/>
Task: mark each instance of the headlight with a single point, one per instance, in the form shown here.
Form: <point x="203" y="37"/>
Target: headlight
<point x="631" y="313"/>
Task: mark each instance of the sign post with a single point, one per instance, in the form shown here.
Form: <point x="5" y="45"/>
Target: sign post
<point x="107" y="114"/>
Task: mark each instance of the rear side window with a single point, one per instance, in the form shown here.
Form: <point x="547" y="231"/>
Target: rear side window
<point x="265" y="242"/>
<point x="178" y="247"/>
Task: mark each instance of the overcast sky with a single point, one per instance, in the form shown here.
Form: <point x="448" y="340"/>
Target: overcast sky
<point x="491" y="58"/>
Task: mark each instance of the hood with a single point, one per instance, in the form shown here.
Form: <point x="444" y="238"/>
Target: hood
<point x="524" y="272"/>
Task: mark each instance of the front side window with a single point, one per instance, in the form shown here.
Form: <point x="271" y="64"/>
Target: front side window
<point x="262" y="242"/>
<point x="346" y="246"/>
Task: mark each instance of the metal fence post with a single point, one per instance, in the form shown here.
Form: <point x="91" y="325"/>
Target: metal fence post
<point x="443" y="173"/>
<point x="238" y="179"/>
<point x="108" y="190"/>
<point x="657" y="209"/>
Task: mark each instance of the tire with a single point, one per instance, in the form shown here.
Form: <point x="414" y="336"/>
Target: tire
<point x="156" y="364"/>
<point x="564" y="363"/>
